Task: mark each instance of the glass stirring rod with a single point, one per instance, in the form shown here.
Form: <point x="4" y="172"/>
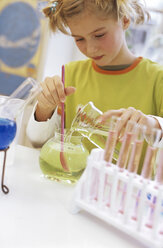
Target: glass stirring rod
<point x="62" y="157"/>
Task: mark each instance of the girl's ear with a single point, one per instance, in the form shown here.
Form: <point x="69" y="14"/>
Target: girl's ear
<point x="125" y="22"/>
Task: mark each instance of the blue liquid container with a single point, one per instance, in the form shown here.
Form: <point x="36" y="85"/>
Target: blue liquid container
<point x="7" y="132"/>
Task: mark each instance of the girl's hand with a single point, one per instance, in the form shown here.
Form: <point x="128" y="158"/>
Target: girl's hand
<point x="53" y="94"/>
<point x="133" y="115"/>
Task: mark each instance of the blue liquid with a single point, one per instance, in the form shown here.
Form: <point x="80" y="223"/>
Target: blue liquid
<point x="7" y="132"/>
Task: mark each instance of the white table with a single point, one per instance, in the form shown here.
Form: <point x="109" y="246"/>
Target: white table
<point x="35" y="213"/>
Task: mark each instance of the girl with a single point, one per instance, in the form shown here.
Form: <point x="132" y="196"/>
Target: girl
<point x="114" y="79"/>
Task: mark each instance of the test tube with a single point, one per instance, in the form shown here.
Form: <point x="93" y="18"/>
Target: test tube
<point x="111" y="140"/>
<point x="159" y="181"/>
<point x="108" y="154"/>
<point x="149" y="162"/>
<point x="128" y="139"/>
<point x="150" y="157"/>
<point x="153" y="139"/>
<point x="136" y="149"/>
<point x="159" y="172"/>
<point x="134" y="159"/>
<point x="126" y="144"/>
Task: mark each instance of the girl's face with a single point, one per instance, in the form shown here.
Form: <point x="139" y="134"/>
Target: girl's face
<point x="99" y="39"/>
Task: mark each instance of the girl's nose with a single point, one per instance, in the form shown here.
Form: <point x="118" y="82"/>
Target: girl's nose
<point x="91" y="49"/>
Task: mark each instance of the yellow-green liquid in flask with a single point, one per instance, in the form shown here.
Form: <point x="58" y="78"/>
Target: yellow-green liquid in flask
<point x="76" y="158"/>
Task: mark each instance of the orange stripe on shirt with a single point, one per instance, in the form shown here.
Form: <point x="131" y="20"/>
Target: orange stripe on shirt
<point x="131" y="67"/>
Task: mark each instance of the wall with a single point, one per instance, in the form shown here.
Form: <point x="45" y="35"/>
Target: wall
<point x="61" y="49"/>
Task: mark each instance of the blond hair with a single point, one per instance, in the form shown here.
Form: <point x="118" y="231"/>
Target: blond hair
<point x="59" y="11"/>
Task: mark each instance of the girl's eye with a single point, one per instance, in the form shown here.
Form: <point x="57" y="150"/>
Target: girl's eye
<point x="99" y="35"/>
<point x="80" y="39"/>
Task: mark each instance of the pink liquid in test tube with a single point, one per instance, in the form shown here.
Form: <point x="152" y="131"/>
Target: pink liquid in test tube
<point x="159" y="173"/>
<point x="136" y="149"/>
<point x="110" y="146"/>
<point x="134" y="159"/>
<point x="108" y="153"/>
<point x="135" y="212"/>
<point x="135" y="156"/>
<point x="126" y="146"/>
<point x="146" y="174"/>
<point x="149" y="162"/>
<point x="150" y="216"/>
<point x="111" y="140"/>
<point x="124" y="151"/>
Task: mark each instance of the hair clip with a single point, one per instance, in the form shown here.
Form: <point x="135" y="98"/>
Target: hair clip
<point x="53" y="6"/>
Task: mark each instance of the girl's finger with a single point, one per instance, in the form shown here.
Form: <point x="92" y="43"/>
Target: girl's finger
<point x="50" y="84"/>
<point x="125" y="117"/>
<point x="136" y="116"/>
<point x="143" y="120"/>
<point x="60" y="93"/>
<point x="111" y="113"/>
<point x="44" y="102"/>
<point x="69" y="90"/>
<point x="53" y="85"/>
<point x="46" y="93"/>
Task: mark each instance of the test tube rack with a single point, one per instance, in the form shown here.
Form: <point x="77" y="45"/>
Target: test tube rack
<point x="122" y="199"/>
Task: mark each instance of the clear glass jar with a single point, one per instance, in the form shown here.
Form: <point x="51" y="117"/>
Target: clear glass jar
<point x="75" y="155"/>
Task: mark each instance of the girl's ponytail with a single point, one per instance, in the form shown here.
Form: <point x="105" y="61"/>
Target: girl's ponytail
<point x="133" y="10"/>
<point x="53" y="11"/>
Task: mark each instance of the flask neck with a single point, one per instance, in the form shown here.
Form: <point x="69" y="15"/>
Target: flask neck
<point x="68" y="137"/>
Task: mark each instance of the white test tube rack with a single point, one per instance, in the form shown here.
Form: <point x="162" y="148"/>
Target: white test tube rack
<point x="119" y="198"/>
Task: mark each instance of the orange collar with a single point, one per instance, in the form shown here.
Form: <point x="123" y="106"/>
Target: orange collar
<point x="135" y="63"/>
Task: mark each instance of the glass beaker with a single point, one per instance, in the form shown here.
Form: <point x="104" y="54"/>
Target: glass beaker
<point x="74" y="152"/>
<point x="21" y="97"/>
<point x="87" y="124"/>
